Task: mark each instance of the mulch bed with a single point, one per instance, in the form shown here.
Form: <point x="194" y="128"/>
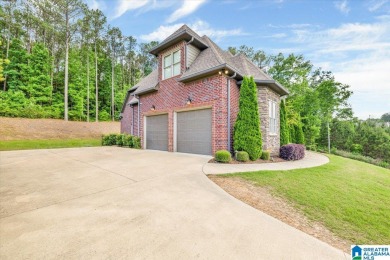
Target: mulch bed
<point x="274" y="159"/>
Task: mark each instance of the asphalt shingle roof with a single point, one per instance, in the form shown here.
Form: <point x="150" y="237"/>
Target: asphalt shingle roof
<point x="148" y="83"/>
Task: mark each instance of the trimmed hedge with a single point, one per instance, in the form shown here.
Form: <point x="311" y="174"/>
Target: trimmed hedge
<point x="292" y="152"/>
<point x="121" y="140"/>
<point x="223" y="156"/>
<point x="242" y="156"/>
<point x="265" y="155"/>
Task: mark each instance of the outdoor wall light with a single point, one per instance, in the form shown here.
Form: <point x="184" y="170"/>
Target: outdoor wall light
<point x="226" y="72"/>
<point x="153" y="108"/>
<point x="220" y="72"/>
<point x="189" y="100"/>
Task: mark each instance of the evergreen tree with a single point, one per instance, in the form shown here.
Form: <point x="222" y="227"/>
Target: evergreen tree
<point x="17" y="72"/>
<point x="284" y="134"/>
<point x="299" y="136"/>
<point x="39" y="81"/>
<point x="247" y="134"/>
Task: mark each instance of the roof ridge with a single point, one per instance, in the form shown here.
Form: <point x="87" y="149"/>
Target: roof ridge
<point x="254" y="65"/>
<point x="214" y="47"/>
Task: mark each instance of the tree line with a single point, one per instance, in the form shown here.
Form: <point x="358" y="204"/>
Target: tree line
<point x="317" y="110"/>
<point x="61" y="59"/>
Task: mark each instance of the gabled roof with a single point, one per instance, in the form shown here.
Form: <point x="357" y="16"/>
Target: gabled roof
<point x="147" y="84"/>
<point x="214" y="59"/>
<point x="183" y="33"/>
<point x="210" y="60"/>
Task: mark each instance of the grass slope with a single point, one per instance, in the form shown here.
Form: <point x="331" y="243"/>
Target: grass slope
<point x="351" y="198"/>
<point x="45" y="144"/>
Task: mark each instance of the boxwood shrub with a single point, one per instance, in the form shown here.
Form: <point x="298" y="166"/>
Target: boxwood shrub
<point x="223" y="156"/>
<point x="136" y="142"/>
<point x="265" y="155"/>
<point x="292" y="152"/>
<point x="109" y="139"/>
<point x="122" y="140"/>
<point x="242" y="156"/>
<point x="119" y="139"/>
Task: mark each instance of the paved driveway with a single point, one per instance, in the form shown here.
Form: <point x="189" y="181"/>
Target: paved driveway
<point x="118" y="203"/>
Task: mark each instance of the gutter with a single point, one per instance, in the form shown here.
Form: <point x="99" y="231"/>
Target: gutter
<point x="139" y="108"/>
<point x="216" y="68"/>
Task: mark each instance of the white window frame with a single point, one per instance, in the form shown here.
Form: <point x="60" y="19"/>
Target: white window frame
<point x="272" y="117"/>
<point x="172" y="64"/>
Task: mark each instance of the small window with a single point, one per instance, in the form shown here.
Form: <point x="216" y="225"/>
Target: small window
<point x="272" y="117"/>
<point x="172" y="65"/>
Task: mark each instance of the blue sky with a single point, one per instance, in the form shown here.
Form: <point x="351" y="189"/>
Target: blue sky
<point x="350" y="38"/>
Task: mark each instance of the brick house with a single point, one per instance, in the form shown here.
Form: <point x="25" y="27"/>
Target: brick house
<point x="189" y="103"/>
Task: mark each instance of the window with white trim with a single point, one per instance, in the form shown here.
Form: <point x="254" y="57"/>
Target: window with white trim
<point x="171" y="65"/>
<point x="272" y="117"/>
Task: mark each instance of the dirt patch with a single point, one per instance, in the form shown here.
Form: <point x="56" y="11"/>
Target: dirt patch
<point x="262" y="199"/>
<point x="28" y="129"/>
<point x="274" y="159"/>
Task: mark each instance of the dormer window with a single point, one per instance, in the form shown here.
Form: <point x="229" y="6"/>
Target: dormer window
<point x="172" y="64"/>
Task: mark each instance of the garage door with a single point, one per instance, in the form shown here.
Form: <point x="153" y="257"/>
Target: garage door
<point x="194" y="131"/>
<point x="157" y="132"/>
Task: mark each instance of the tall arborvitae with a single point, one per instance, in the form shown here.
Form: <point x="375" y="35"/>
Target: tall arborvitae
<point x="247" y="134"/>
<point x="284" y="134"/>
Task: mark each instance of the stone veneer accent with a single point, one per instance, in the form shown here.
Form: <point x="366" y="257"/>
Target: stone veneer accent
<point x="270" y="142"/>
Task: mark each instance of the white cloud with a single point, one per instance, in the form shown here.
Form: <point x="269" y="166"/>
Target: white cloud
<point x="342" y="6"/>
<point x="96" y="4"/>
<point x="200" y="27"/>
<point x="358" y="54"/>
<point x="375" y="5"/>
<point x="188" y="7"/>
<point x="276" y="35"/>
<point x="126" y="5"/>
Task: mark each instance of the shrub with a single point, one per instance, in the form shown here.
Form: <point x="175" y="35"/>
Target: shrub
<point x="109" y="139"/>
<point x="265" y="155"/>
<point x="127" y="140"/>
<point x="223" y="156"/>
<point x="119" y="139"/>
<point x="136" y="142"/>
<point x="356" y="148"/>
<point x="292" y="152"/>
<point x="242" y="156"/>
<point x="247" y="134"/>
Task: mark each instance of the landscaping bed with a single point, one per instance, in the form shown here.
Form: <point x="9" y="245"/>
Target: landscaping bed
<point x="274" y="159"/>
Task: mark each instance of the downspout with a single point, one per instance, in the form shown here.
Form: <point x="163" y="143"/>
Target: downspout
<point x="192" y="39"/>
<point x="139" y="108"/>
<point x="132" y="120"/>
<point x="228" y="111"/>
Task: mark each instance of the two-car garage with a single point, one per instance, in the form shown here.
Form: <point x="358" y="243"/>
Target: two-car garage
<point x="192" y="132"/>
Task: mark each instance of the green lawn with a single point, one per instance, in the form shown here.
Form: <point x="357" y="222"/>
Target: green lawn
<point x="349" y="197"/>
<point x="45" y="144"/>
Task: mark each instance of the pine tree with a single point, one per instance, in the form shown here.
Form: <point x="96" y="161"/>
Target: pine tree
<point x="247" y="134"/>
<point x="284" y="134"/>
<point x="39" y="81"/>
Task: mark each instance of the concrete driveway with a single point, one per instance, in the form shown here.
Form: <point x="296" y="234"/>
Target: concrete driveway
<point x="118" y="203"/>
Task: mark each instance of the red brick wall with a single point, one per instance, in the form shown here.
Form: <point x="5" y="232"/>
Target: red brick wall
<point x="172" y="96"/>
<point x="127" y="119"/>
<point x="234" y="102"/>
